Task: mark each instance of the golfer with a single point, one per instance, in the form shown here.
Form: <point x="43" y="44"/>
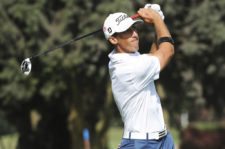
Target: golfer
<point x="132" y="76"/>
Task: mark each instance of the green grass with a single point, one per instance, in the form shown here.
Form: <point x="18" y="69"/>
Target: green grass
<point x="176" y="136"/>
<point x="208" y="125"/>
<point x="114" y="136"/>
<point x="8" y="141"/>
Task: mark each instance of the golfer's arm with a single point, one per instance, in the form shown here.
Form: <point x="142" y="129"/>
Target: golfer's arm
<point x="153" y="46"/>
<point x="165" y="49"/>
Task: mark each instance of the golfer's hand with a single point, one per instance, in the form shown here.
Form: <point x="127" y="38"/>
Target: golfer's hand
<point x="157" y="8"/>
<point x="149" y="15"/>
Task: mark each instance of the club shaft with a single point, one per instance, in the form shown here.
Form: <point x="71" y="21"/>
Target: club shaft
<point x="135" y="16"/>
<point x="66" y="43"/>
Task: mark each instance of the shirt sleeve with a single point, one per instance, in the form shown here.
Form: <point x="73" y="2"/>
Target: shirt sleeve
<point x="147" y="69"/>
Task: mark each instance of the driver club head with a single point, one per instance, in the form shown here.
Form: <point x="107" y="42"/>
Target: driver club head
<point x="26" y="66"/>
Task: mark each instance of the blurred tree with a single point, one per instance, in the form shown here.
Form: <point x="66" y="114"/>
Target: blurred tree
<point x="195" y="78"/>
<point x="68" y="89"/>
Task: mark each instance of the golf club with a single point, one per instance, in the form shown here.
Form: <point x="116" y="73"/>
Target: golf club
<point x="26" y="64"/>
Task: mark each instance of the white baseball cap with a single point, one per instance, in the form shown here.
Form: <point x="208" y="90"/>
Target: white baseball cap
<point x="117" y="23"/>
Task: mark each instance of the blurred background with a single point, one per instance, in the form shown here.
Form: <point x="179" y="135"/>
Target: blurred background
<point x="66" y="101"/>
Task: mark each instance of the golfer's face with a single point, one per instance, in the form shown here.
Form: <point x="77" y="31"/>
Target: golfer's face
<point x="128" y="40"/>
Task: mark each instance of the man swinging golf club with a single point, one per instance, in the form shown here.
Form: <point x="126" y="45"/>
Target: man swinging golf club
<point x="132" y="76"/>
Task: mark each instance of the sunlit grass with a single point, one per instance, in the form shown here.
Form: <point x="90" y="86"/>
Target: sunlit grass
<point x="114" y="136"/>
<point x="8" y="141"/>
<point x="176" y="136"/>
<point x="208" y="125"/>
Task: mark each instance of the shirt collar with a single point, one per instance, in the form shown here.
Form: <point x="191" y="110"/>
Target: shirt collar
<point x="118" y="56"/>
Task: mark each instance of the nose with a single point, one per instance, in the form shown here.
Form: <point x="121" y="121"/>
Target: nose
<point x="134" y="32"/>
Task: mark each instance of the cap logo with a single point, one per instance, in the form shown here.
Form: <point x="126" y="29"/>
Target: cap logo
<point x="109" y="30"/>
<point x="121" y="18"/>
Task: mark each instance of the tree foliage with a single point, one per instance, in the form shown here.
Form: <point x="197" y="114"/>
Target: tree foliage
<point x="69" y="89"/>
<point x="200" y="54"/>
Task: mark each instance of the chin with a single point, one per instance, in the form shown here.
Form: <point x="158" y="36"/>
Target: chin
<point x="136" y="48"/>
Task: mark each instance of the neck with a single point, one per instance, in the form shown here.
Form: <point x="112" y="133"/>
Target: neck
<point x="120" y="50"/>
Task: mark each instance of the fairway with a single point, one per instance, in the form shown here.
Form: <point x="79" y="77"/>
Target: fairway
<point x="114" y="136"/>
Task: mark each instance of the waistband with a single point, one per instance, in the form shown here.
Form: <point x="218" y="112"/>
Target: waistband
<point x="145" y="136"/>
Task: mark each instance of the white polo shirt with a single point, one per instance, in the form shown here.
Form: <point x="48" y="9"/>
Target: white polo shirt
<point x="132" y="76"/>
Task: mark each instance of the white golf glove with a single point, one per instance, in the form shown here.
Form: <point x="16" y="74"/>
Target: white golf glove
<point x="155" y="7"/>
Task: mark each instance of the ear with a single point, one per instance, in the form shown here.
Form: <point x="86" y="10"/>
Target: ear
<point x="113" y="40"/>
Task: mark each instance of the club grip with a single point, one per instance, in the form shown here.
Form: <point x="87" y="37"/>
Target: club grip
<point x="135" y="16"/>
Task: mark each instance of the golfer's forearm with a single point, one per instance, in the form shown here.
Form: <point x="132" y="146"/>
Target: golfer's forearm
<point x="154" y="45"/>
<point x="161" y="29"/>
<point x="165" y="49"/>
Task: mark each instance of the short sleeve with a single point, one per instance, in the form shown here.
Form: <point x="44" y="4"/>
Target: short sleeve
<point x="147" y="69"/>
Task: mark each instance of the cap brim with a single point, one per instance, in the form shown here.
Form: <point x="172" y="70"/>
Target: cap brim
<point x="128" y="25"/>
